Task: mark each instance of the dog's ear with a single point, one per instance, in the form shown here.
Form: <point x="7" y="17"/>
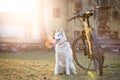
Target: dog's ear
<point x="62" y="31"/>
<point x="53" y="32"/>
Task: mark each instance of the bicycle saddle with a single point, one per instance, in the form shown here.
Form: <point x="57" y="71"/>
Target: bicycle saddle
<point x="87" y="13"/>
<point x="83" y="14"/>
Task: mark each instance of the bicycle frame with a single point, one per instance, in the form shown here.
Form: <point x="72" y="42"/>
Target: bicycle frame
<point x="87" y="29"/>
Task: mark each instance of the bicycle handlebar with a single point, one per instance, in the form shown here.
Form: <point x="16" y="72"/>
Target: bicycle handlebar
<point x="83" y="14"/>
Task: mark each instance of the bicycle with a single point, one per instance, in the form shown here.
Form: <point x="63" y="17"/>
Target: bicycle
<point x="89" y="44"/>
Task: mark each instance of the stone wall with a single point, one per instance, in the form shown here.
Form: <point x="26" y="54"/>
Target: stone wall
<point x="20" y="47"/>
<point x="106" y="22"/>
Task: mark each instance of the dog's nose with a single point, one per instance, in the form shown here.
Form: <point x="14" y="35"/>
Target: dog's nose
<point x="53" y="37"/>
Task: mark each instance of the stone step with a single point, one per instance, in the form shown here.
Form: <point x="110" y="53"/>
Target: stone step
<point x="110" y="42"/>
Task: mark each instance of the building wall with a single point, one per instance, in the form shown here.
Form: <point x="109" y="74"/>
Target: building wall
<point x="105" y="14"/>
<point x="16" y="26"/>
<point x="55" y="15"/>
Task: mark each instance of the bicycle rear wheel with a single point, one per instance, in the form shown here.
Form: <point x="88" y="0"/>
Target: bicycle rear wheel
<point x="81" y="57"/>
<point x="98" y="55"/>
<point x="78" y="54"/>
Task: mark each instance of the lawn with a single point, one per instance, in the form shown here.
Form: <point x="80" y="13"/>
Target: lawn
<point x="39" y="65"/>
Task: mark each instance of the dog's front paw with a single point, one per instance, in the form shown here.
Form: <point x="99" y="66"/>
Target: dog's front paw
<point x="68" y="73"/>
<point x="74" y="72"/>
<point x="55" y="73"/>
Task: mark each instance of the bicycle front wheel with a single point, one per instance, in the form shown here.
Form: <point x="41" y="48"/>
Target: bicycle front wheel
<point x="98" y="55"/>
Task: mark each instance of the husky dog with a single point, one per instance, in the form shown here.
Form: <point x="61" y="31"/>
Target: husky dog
<point x="63" y="54"/>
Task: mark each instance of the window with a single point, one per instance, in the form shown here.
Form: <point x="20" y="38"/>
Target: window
<point x="78" y="7"/>
<point x="56" y="12"/>
<point x="76" y="34"/>
<point x="105" y="3"/>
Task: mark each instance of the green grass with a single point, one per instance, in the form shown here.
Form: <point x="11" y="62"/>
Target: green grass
<point x="38" y="65"/>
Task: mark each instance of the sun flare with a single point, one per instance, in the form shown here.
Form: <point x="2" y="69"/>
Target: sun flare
<point x="21" y="15"/>
<point x="92" y="75"/>
<point x="17" y="5"/>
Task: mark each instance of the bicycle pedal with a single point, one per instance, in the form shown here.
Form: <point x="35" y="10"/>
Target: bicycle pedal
<point x="85" y="53"/>
<point x="90" y="56"/>
<point x="81" y="48"/>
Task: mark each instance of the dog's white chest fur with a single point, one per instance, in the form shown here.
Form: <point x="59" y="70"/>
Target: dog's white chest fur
<point x="63" y="51"/>
<point x="62" y="48"/>
<point x="64" y="59"/>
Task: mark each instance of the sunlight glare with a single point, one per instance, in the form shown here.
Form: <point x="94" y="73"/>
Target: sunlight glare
<point x="11" y="30"/>
<point x="92" y="75"/>
<point x="17" y="5"/>
<point x="24" y="12"/>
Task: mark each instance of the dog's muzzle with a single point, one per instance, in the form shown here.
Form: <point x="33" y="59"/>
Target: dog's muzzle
<point x="53" y="37"/>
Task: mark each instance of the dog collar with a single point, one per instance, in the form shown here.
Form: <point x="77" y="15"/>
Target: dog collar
<point x="62" y="43"/>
